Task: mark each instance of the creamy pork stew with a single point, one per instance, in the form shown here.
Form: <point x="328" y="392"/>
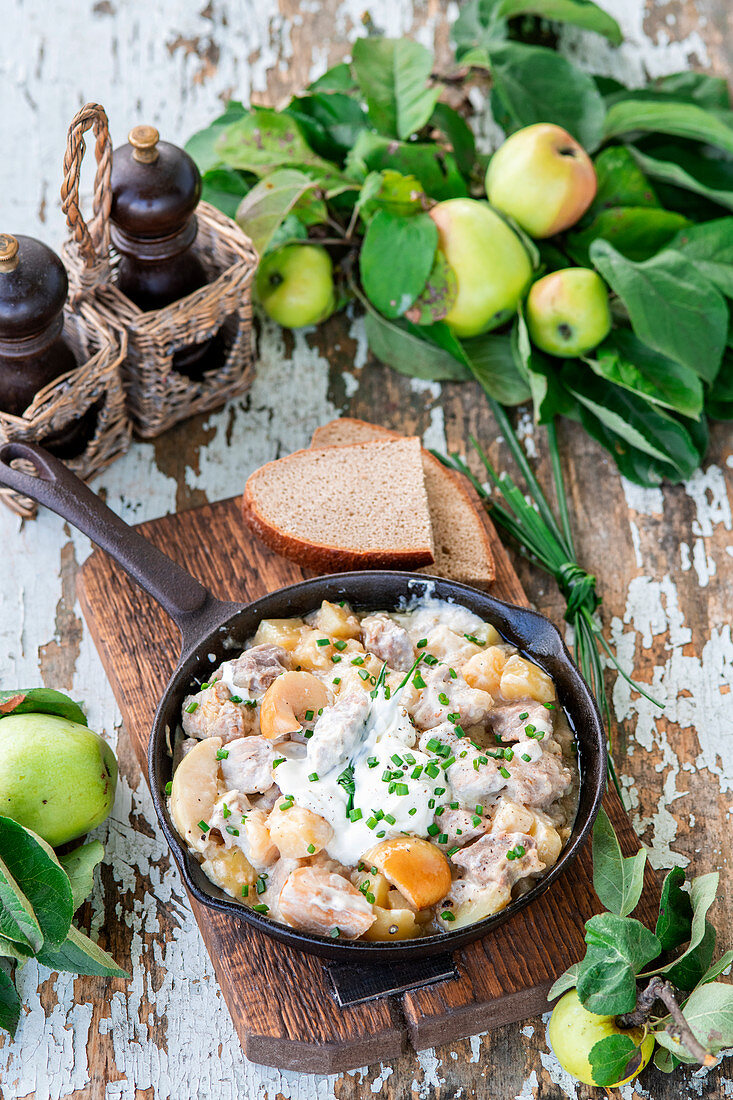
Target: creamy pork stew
<point x="380" y="776"/>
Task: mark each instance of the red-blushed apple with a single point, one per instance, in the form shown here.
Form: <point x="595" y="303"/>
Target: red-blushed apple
<point x="490" y="263"/>
<point x="568" y="312"/>
<point x="542" y="178"/>
<point x="294" y="284"/>
<point x="574" y="1031"/>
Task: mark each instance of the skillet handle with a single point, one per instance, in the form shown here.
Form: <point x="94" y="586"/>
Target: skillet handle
<point x="191" y="606"/>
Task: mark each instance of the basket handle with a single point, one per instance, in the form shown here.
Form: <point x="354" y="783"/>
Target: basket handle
<point x="92" y="240"/>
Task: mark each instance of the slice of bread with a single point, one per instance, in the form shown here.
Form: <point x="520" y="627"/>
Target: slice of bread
<point x="361" y="506"/>
<point x="460" y="539"/>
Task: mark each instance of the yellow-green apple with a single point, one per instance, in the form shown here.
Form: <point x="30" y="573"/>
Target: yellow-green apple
<point x="490" y="263"/>
<point x="568" y="313"/>
<point x="573" y="1031"/>
<point x="542" y="178"/>
<point x="295" y="285"/>
<point x="57" y="777"/>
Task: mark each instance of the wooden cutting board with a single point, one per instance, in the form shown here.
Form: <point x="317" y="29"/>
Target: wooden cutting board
<point x="281" y="1001"/>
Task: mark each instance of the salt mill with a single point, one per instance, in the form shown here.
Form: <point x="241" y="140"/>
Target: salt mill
<point x="33" y="351"/>
<point x="156" y="188"/>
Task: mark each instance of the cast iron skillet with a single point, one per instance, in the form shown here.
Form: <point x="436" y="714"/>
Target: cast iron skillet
<point x="209" y="627"/>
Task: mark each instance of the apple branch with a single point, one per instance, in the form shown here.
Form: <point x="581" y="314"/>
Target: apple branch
<point x="660" y="990"/>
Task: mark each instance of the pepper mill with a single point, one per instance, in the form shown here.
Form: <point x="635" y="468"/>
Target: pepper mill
<point x="33" y="351"/>
<point x="156" y="188"/>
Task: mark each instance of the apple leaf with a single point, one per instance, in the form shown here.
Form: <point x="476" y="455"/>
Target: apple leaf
<point x="637" y="232"/>
<point x="665" y="1061"/>
<point x="80" y="955"/>
<point x="15" y="952"/>
<point x="262" y="211"/>
<point x="684" y="120"/>
<point x="536" y="84"/>
<point x="459" y="135"/>
<point x="702" y="88"/>
<point x="17" y="919"/>
<point x="566" y="981"/>
<point x="614" y="1058"/>
<point x="674" y="922"/>
<point x="719" y="402"/>
<point x="397" y="345"/>
<point x="339" y="78"/>
<point x="438" y="296"/>
<point x="618" y="948"/>
<point x="636" y="465"/>
<point x="393" y="74"/>
<point x="202" y="145"/>
<point x="41" y="701"/>
<point x="43" y="881"/>
<point x="710" y="248"/>
<point x="79" y="866"/>
<point x="673" y="308"/>
<point x="579" y="13"/>
<point x="686" y="970"/>
<point x="224" y="188"/>
<point x="330" y="122"/>
<point x="618" y="880"/>
<point x="263" y="140"/>
<point x="542" y="374"/>
<point x="689" y="169"/>
<point x="396" y="259"/>
<point x="717" y="968"/>
<point x="620" y="181"/>
<point x="391" y="191"/>
<point x="624" y="360"/>
<point x="9" y="1001"/>
<point x="494" y="364"/>
<point x="435" y="167"/>
<point x="709" y="1012"/>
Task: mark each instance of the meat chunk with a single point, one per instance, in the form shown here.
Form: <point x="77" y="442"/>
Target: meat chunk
<point x="474" y="776"/>
<point x="248" y="767"/>
<point x="511" y="721"/>
<point x="502" y="859"/>
<point x="318" y="901"/>
<point x="252" y="673"/>
<point x="471" y="704"/>
<point x="461" y="826"/>
<point x="388" y="640"/>
<point x="244" y="828"/>
<point x="210" y="713"/>
<point x="338" y="731"/>
<point x="450" y="648"/>
<point x="538" y="783"/>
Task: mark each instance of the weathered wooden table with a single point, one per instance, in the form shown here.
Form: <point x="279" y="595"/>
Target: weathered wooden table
<point x="664" y="559"/>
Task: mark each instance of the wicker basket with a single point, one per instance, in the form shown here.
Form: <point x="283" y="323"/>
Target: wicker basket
<point x="94" y="387"/>
<point x="157" y="395"/>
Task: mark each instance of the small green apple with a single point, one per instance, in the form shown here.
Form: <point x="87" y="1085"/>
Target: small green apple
<point x="568" y="313"/>
<point x="574" y="1031"/>
<point x="490" y="263"/>
<point x="295" y="285"/>
<point x="57" y="777"/>
<point x="542" y="178"/>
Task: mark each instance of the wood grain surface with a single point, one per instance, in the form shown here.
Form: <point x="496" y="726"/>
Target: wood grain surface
<point x="278" y="997"/>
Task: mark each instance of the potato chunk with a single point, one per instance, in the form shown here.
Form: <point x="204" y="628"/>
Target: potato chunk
<point x="283" y="632"/>
<point x="414" y="866"/>
<point x="521" y="679"/>
<point x="297" y="832"/>
<point x="372" y="886"/>
<point x="231" y="870"/>
<point x="483" y="671"/>
<point x="392" y="924"/>
<point x="337" y="621"/>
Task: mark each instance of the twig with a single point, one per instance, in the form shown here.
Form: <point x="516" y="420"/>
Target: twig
<point x="660" y="990"/>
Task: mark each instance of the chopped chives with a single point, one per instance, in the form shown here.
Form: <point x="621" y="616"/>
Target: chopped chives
<point x="454" y="716"/>
<point x="413" y="811"/>
<point x="476" y="820"/>
<point x="454" y="805"/>
<point x="540" y="735"/>
<point x="447" y="915"/>
<point x="524" y="716"/>
<point x="386" y="775"/>
<point x="418" y="681"/>
<point x="422" y="643"/>
<point x="416" y="771"/>
<point x="247" y="702"/>
<point x="313" y="777"/>
<point x="340" y="645"/>
<point x="504" y="773"/>
<point x="440" y="790"/>
<point x="337" y="679"/>
<point x="322" y="641"/>
<point x="526" y="757"/>
<point x="372" y="762"/>
<point x="409" y="758"/>
<point x="479" y="808"/>
<point x="355" y="815"/>
<point x="452" y="673"/>
<point x="402" y="789"/>
<point x="434" y="745"/>
<point x="280" y="760"/>
<point x="222" y="754"/>
<point x="445" y="764"/>
<point x="260" y="885"/>
<point x="261" y="908"/>
<point x="474" y="639"/>
<point x="382" y="834"/>
<point x="547" y="706"/>
<point x="452" y="851"/>
<point x="389" y="818"/>
<point x="192" y="707"/>
<point x="205" y="685"/>
<point x="508" y="754"/>
<point x="311" y="849"/>
<point x="335" y="933"/>
<point x="431" y="770"/>
<point x="285" y="805"/>
<point x="358" y="661"/>
<point x="363" y="674"/>
<point x="371" y="823"/>
<point x="519" y="851"/>
<point x="431" y="804"/>
<point x="443" y="838"/>
<point x="396" y="759"/>
<point x="433" y="830"/>
<point x="232" y="830"/>
<point x="336" y="658"/>
<point x="226" y="812"/>
<point x="169" y="786"/>
<point x="373" y="870"/>
<point x="440" y="810"/>
<point x="245" y="891"/>
<point x="309" y="715"/>
<point x="370" y="898"/>
<point x="204" y="827"/>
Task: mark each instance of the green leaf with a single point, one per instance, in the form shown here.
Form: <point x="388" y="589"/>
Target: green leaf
<point x="538" y="85"/>
<point x="688" y="168"/>
<point x="566" y="981"/>
<point x="665" y="1061"/>
<point x="614" y="1058"/>
<point x="709" y="1013"/>
<point x="269" y="202"/>
<point x="717" y="968"/>
<point x="45" y="884"/>
<point x="224" y="188"/>
<point x="459" y="134"/>
<point x="14" y="951"/>
<point x="672" y="307"/>
<point x="79" y="866"/>
<point x="264" y="140"/>
<point x="17" y="919"/>
<point x="392" y="74"/>
<point x="476" y="29"/>
<point x="416" y="356"/>
<point x="494" y="364"/>
<point x="435" y="168"/>
<point x="674" y="922"/>
<point x="709" y="91"/>
<point x="618" y="880"/>
<point x="329" y="121"/>
<point x="80" y="955"/>
<point x="685" y="120"/>
<point x="541" y="373"/>
<point x="631" y="419"/>
<point x="391" y="191"/>
<point x="41" y="701"/>
<point x="637" y="232"/>
<point x="620" y="181"/>
<point x="9" y="1001"/>
<point x="336" y="79"/>
<point x="687" y="972"/>
<point x="438" y="296"/>
<point x="634" y="464"/>
<point x="618" y="948"/>
<point x="395" y="260"/>
<point x="719" y="401"/>
<point x="624" y="360"/>
<point x="697" y="957"/>
<point x="710" y="247"/>
<point x="202" y="145"/>
<point x="579" y="13"/>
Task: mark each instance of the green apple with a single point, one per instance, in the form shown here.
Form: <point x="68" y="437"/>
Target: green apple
<point x="295" y="285"/>
<point x="573" y="1031"/>
<point x="568" y="313"/>
<point x="490" y="263"/>
<point x="542" y="178"/>
<point x="57" y="777"/>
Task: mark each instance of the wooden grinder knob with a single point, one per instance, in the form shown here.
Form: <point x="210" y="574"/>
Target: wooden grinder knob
<point x="144" y="141"/>
<point x="8" y="253"/>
